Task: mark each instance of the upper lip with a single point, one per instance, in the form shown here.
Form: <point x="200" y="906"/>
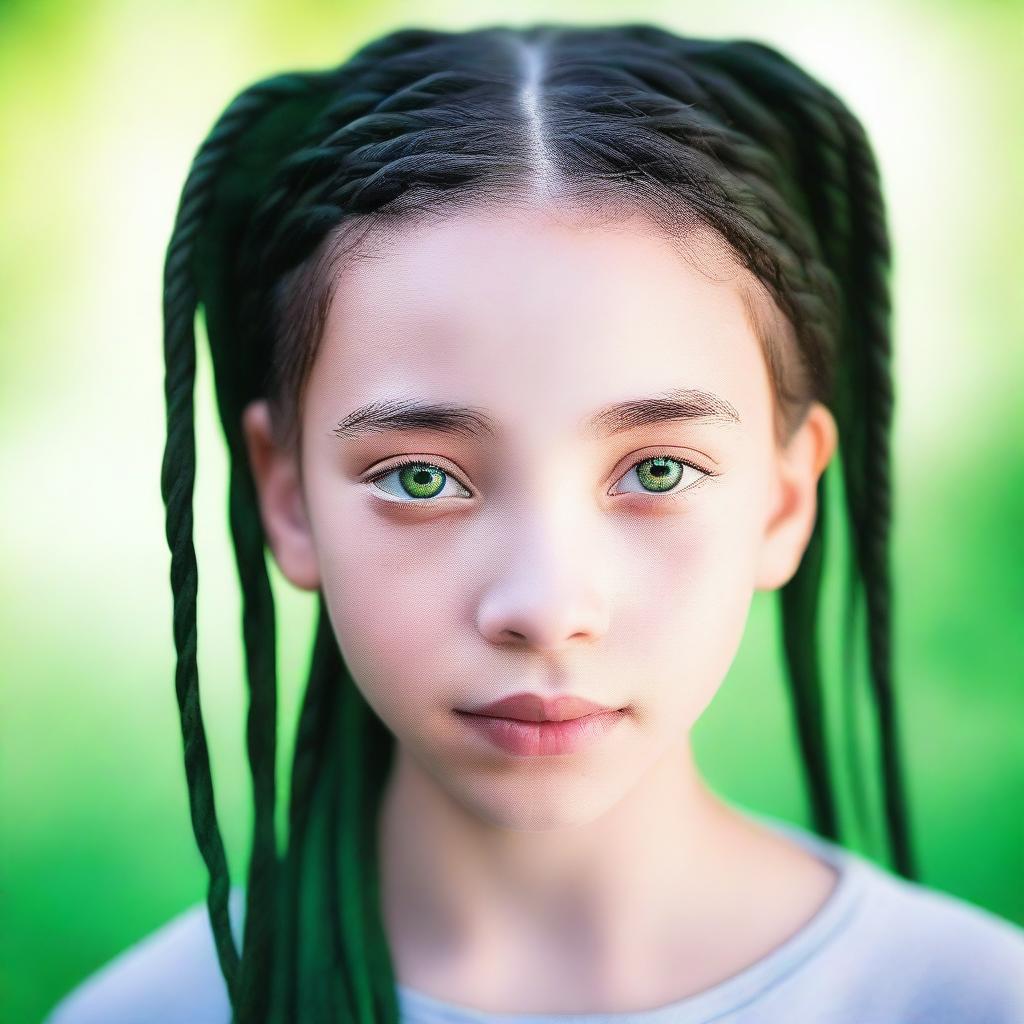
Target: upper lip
<point x="531" y="707"/>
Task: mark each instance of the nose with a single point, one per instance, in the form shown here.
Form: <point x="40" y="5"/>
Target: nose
<point x="550" y="596"/>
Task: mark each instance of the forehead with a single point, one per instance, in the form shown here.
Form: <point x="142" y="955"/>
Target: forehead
<point x="510" y="308"/>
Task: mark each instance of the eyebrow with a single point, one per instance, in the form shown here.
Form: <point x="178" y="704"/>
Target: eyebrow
<point x="467" y="421"/>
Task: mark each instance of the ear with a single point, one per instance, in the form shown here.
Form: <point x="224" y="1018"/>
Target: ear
<point x="795" y="503"/>
<point x="282" y="502"/>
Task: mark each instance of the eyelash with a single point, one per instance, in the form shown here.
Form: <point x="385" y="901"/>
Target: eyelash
<point x="706" y="473"/>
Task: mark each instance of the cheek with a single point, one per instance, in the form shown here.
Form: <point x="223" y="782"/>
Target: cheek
<point x="389" y="594"/>
<point x="685" y="605"/>
<point x="692" y="563"/>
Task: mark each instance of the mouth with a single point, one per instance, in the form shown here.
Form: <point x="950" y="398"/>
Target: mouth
<point x="532" y="707"/>
<point x="524" y="738"/>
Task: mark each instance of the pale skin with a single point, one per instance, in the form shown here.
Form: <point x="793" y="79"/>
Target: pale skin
<point x="612" y="879"/>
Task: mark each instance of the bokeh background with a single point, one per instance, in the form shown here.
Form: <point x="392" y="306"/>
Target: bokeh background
<point x="102" y="106"/>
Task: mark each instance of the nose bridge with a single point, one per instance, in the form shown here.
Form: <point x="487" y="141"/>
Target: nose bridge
<point x="547" y="585"/>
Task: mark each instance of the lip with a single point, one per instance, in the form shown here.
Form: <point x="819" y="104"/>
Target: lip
<point x="532" y="707"/>
<point x="540" y="738"/>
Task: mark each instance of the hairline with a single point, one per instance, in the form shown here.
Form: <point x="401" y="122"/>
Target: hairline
<point x="304" y="295"/>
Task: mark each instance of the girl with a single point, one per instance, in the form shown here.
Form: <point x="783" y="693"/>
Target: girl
<point x="531" y="349"/>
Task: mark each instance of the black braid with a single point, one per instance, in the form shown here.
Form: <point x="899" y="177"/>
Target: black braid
<point x="837" y="164"/>
<point x="248" y="980"/>
<point x="825" y="177"/>
<point x="311" y="749"/>
<point x="799" y="597"/>
<point x="177" y="482"/>
<point x="700" y="83"/>
<point x="842" y="181"/>
<point x="873" y="517"/>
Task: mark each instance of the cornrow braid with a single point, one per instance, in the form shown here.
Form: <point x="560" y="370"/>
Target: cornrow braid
<point x="836" y="168"/>
<point x="824" y="177"/>
<point x="722" y="134"/>
<point x="841" y="179"/>
<point x="732" y="95"/>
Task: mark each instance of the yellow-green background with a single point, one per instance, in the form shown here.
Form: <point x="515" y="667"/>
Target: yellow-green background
<point x="102" y="106"/>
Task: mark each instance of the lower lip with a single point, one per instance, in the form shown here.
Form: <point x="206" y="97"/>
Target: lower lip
<point x="532" y="739"/>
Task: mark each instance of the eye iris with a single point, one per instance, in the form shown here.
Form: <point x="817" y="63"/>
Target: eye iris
<point x="421" y="481"/>
<point x="659" y="474"/>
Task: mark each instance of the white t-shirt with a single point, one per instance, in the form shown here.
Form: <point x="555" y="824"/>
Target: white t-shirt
<point x="881" y="950"/>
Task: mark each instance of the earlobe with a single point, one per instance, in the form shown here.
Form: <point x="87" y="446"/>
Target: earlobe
<point x="282" y="502"/>
<point x="792" y="516"/>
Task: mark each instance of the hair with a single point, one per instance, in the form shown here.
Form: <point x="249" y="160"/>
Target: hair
<point x="725" y="139"/>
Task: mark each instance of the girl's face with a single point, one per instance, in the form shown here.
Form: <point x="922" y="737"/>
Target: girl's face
<point x="535" y="546"/>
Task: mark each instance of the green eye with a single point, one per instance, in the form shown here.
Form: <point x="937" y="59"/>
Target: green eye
<point x="663" y="473"/>
<point x="419" y="480"/>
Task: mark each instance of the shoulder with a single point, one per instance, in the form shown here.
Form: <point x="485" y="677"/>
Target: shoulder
<point x="171" y="975"/>
<point x="886" y="948"/>
<point x="933" y="955"/>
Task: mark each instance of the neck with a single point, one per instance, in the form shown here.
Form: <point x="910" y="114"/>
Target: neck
<point x="604" y="902"/>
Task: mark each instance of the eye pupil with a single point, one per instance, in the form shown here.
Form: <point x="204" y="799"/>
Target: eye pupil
<point x="422" y="477"/>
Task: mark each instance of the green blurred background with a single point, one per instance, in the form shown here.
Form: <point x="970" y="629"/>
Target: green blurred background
<point x="103" y="106"/>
